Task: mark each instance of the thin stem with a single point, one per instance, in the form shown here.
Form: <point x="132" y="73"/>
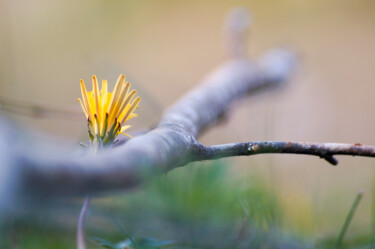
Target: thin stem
<point x="95" y="145"/>
<point x="348" y="219"/>
<point x="81" y="243"/>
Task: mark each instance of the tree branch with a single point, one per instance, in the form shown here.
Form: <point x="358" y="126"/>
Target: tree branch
<point x="323" y="150"/>
<point x="32" y="169"/>
<point x="48" y="172"/>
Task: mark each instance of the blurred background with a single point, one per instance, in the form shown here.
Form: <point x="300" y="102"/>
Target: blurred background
<point x="165" y="48"/>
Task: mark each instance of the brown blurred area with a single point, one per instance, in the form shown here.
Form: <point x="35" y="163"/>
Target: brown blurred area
<point x="165" y="47"/>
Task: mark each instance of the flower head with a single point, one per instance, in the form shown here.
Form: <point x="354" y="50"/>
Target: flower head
<point x="108" y="112"/>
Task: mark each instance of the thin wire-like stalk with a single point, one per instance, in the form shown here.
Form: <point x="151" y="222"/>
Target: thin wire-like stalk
<point x="348" y="219"/>
<point x="81" y="243"/>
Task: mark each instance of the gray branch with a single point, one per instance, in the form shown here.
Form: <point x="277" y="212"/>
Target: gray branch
<point x="32" y="169"/>
<point x="322" y="150"/>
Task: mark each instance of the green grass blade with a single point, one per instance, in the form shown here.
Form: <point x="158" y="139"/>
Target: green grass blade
<point x="348" y="219"/>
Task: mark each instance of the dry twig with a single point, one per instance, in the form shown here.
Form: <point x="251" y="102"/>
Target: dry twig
<point x="323" y="150"/>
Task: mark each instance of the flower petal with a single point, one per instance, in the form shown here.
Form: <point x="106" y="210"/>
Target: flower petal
<point x="85" y="99"/>
<point x="131" y="109"/>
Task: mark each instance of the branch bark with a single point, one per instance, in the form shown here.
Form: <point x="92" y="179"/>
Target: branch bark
<point x="322" y="150"/>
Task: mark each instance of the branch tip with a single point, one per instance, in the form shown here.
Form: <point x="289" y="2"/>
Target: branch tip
<point x="237" y="25"/>
<point x="331" y="159"/>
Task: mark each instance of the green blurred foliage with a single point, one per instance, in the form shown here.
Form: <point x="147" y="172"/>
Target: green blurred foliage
<point x="199" y="206"/>
<point x="204" y="206"/>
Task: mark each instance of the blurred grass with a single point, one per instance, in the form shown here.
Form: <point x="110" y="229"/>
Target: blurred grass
<point x="202" y="206"/>
<point x="199" y="206"/>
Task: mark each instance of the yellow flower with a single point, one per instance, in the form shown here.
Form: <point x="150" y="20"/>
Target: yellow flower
<point x="108" y="112"/>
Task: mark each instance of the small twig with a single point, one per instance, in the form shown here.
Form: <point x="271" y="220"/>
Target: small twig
<point x="81" y="243"/>
<point x="348" y="219"/>
<point x="237" y="23"/>
<point x="323" y="150"/>
<point x="36" y="110"/>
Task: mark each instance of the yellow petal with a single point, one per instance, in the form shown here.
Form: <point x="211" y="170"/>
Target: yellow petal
<point x="103" y="100"/>
<point x="132" y="115"/>
<point x="121" y="98"/>
<point x="83" y="108"/>
<point x="116" y="92"/>
<point x="125" y="106"/>
<point x="125" y="134"/>
<point x="91" y="100"/>
<point x="131" y="109"/>
<point x="95" y="88"/>
<point x="85" y="99"/>
<point x="124" y="128"/>
<point x="103" y="95"/>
